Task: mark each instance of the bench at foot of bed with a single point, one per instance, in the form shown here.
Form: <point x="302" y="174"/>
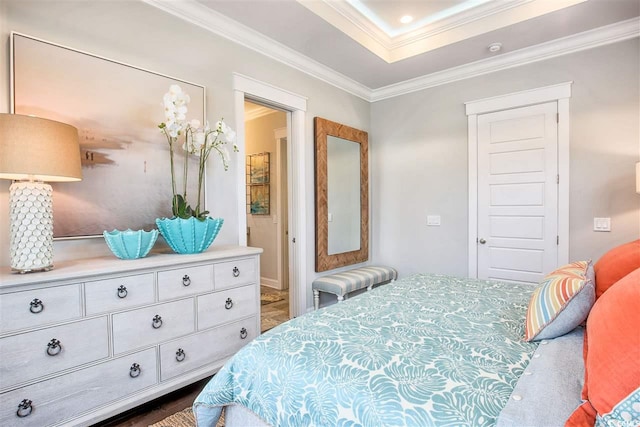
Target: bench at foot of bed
<point x="341" y="284"/>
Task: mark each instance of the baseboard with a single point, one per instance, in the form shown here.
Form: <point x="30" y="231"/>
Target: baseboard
<point x="271" y="283"/>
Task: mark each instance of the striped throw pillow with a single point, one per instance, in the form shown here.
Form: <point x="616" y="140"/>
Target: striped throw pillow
<point x="561" y="302"/>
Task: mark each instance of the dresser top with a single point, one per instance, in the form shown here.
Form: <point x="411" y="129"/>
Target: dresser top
<point x="70" y="270"/>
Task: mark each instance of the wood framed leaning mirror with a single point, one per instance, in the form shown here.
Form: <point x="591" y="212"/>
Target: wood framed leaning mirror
<point x="342" y="195"/>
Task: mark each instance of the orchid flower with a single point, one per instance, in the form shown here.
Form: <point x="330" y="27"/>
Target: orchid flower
<point x="198" y="141"/>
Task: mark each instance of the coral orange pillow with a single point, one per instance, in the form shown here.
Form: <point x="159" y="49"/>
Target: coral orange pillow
<point x="612" y="371"/>
<point x="616" y="264"/>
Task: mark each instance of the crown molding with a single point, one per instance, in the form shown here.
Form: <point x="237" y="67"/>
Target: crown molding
<point x="358" y="22"/>
<point x="355" y="15"/>
<point x="461" y="12"/>
<point x="214" y="22"/>
<point x="602" y="36"/>
<point x="464" y="19"/>
<point x="351" y="22"/>
<point x="258" y="112"/>
<point x="200" y="15"/>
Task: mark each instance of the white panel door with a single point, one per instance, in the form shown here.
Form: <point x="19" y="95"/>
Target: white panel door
<point x="518" y="193"/>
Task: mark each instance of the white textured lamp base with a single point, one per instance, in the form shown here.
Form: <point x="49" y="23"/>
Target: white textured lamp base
<point x="31" y="226"/>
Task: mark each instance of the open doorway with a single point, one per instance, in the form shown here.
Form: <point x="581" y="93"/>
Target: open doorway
<point x="267" y="206"/>
<point x="295" y="106"/>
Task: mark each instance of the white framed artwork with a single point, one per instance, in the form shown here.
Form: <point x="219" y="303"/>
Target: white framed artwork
<point x="117" y="108"/>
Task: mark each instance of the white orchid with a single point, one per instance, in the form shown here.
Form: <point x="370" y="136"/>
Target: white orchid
<point x="175" y="110"/>
<point x="198" y="141"/>
<point x="228" y="133"/>
<point x="177" y="96"/>
<point x="194" y="142"/>
<point x="224" y="155"/>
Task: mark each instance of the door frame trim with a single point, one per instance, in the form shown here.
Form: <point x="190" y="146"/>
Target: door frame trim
<point x="559" y="93"/>
<point x="280" y="134"/>
<point x="296" y="105"/>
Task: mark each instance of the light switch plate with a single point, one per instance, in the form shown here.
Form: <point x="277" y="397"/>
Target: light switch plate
<point x="433" y="219"/>
<point x="601" y="224"/>
<point x="330" y="219"/>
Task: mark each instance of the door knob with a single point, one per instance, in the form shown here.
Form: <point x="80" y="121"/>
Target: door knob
<point x="482" y="241"/>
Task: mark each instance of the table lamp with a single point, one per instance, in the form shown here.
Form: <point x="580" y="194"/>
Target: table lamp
<point x="34" y="150"/>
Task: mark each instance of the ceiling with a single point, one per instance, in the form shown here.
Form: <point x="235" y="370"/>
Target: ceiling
<point x="361" y="46"/>
<point x="253" y="111"/>
<point x="379" y="25"/>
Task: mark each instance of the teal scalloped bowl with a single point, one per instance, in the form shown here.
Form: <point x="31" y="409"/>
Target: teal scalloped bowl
<point x="189" y="236"/>
<point x="129" y="244"/>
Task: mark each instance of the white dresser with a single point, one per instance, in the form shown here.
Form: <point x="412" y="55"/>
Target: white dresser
<point x="95" y="337"/>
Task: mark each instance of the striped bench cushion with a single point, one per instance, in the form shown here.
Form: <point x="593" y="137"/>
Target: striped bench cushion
<point x="348" y="281"/>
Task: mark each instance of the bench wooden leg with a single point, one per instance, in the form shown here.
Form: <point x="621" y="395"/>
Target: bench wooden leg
<point x="316" y="299"/>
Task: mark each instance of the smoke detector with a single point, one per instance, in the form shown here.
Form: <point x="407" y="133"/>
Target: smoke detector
<point x="495" y="47"/>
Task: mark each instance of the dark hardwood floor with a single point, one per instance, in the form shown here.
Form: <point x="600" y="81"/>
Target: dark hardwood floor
<point x="274" y="310"/>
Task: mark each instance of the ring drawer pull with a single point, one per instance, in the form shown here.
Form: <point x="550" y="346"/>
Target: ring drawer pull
<point x="186" y="280"/>
<point x="156" y="322"/>
<point x="243" y="333"/>
<point x="36" y="306"/>
<point x="54" y="347"/>
<point x="228" y="304"/>
<point x="135" y="370"/>
<point x="122" y="291"/>
<point x="180" y="356"/>
<point x="24" y="408"/>
<point x="236" y="272"/>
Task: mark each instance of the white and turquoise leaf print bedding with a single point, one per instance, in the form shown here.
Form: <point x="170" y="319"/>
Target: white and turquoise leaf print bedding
<point x="427" y="350"/>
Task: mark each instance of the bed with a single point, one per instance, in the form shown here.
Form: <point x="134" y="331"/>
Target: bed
<point x="427" y="350"/>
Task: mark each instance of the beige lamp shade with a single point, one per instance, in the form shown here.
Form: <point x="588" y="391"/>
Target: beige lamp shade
<point x="38" y="149"/>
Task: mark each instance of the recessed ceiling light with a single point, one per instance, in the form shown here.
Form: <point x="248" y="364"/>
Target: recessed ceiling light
<point x="406" y="19"/>
<point x="495" y="47"/>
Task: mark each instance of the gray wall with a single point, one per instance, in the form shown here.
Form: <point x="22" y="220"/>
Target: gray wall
<point x="260" y="138"/>
<point x="136" y="33"/>
<point x="419" y="159"/>
<point x="417" y="141"/>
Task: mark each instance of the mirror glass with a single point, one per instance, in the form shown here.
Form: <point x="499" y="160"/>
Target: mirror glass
<point x="343" y="195"/>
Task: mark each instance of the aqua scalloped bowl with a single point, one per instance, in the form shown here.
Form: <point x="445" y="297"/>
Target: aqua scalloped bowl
<point x="129" y="244"/>
<point x="189" y="236"/>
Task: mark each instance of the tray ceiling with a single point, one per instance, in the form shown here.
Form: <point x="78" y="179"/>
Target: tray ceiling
<point x="360" y="45"/>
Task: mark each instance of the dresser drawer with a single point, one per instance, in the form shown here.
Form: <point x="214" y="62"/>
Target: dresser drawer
<point x="68" y="396"/>
<point x="31" y="355"/>
<point x="195" y="351"/>
<point x="184" y="281"/>
<point x="234" y="273"/>
<point x="226" y="306"/>
<point x="137" y="328"/>
<point x="118" y="293"/>
<point x="26" y="309"/>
